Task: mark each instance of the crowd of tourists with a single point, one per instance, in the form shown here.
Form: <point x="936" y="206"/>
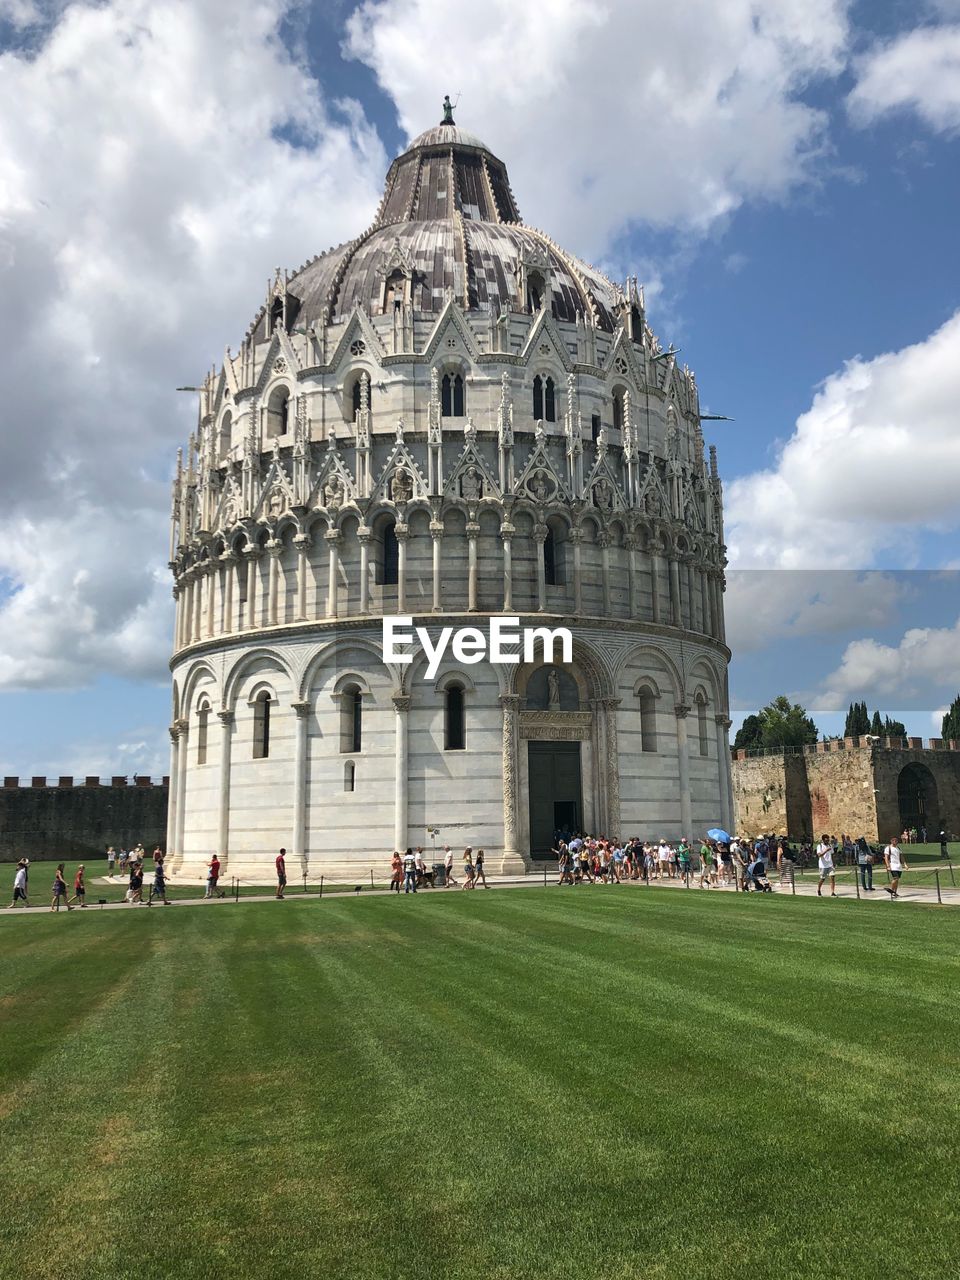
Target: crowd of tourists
<point x="411" y="871"/>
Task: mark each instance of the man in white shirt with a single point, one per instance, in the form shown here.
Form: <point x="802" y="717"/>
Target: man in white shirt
<point x="895" y="864"/>
<point x="448" y="866"/>
<point x="409" y="872"/>
<point x="825" y="864"/>
<point x="20" y="885"/>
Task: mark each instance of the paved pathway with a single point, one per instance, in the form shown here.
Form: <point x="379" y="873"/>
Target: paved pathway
<point x="918" y="887"/>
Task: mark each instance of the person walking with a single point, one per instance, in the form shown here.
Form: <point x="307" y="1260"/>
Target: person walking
<point x="111" y="859"/>
<point x="79" y="886"/>
<point x="396" y="872"/>
<point x="135" y="891"/>
<point x="281" y="864"/>
<point x="213" y="876"/>
<point x="467" y="868"/>
<point x="448" y="867"/>
<point x="896" y="864"/>
<point x="20" y="885"/>
<point x="478" y="872"/>
<point x="943" y="844"/>
<point x="59" y="890"/>
<point x="825" y="865"/>
<point x="409" y="871"/>
<point x="865" y="865"/>
<point x="159" y="887"/>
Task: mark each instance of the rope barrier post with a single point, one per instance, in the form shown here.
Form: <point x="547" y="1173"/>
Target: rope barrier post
<point x="952" y="881"/>
<point x="544" y="875"/>
<point x="937" y="874"/>
<point x="304" y="882"/>
<point x="237" y="891"/>
<point x="793" y="879"/>
<point x="321" y="886"/>
<point x="856" y="882"/>
<point x="371" y="877"/>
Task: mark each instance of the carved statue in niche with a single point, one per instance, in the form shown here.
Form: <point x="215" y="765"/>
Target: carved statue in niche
<point x="276" y="501"/>
<point x="540" y="485"/>
<point x="401" y="486"/>
<point x="603" y="494"/>
<point x="230" y="512"/>
<point x="333" y="492"/>
<point x="471" y="486"/>
<point x="652" y="503"/>
<point x="553" y="690"/>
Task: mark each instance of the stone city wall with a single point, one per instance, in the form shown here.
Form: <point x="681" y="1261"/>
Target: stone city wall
<point x="73" y="818"/>
<point x="845" y="786"/>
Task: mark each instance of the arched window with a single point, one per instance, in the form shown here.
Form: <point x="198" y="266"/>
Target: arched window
<point x="538" y="397"/>
<point x="550" y="558"/>
<point x="648" y="719"/>
<point x="203" y="721"/>
<point x="278" y="409"/>
<point x="393" y="292"/>
<point x="454" y="736"/>
<point x="702" y="725"/>
<point x="261" y="726"/>
<point x="452" y="396"/>
<point x="595" y="426"/>
<point x="350" y="776"/>
<point x="618" y="409"/>
<point x="351" y="718"/>
<point x="549" y="401"/>
<point x="276" y="315"/>
<point x="535" y="291"/>
<point x="390" y="569"/>
<point x="226" y="433"/>
<point x="356" y="398"/>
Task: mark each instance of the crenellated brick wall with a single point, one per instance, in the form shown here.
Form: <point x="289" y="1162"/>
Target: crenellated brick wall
<point x="72" y="817"/>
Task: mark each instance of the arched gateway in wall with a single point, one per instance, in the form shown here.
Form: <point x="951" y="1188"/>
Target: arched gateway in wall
<point x="450" y="418"/>
<point x="917" y="799"/>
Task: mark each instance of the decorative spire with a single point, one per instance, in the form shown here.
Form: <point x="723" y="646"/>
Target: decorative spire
<point x="447" y="111"/>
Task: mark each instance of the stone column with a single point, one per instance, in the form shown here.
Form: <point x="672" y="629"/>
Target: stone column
<point x="506" y="537"/>
<point x="436" y="533"/>
<point x="714" y="604"/>
<point x="723" y="773"/>
<point x="675" y="615"/>
<point x="705" y="601"/>
<point x="332" y="539"/>
<point x="229" y="559"/>
<point x="197" y="588"/>
<point x="721" y="625"/>
<point x="364" y="536"/>
<point x="513" y="861"/>
<point x="184" y="728"/>
<point x="302" y="543"/>
<point x="212" y="578"/>
<point x="576" y="537"/>
<point x="612" y="767"/>
<point x="302" y="711"/>
<point x="540" y="537"/>
<point x="473" y="530"/>
<point x="223" y="829"/>
<point x="275" y="551"/>
<point x="683" y="753"/>
<point x="174" y="793"/>
<point x="655" y="580"/>
<point x="631" y="546"/>
<point x="252" y="555"/>
<point x="402" y="533"/>
<point x="401" y="705"/>
<point x="605" y="570"/>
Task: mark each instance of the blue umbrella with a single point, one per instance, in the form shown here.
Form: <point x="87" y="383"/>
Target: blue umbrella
<point x="718" y="834"/>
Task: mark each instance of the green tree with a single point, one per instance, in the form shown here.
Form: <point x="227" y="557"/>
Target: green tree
<point x="894" y="728"/>
<point x="786" y="724"/>
<point x="876" y="725"/>
<point x="858" y="720"/>
<point x="750" y="734"/>
<point x="950" y="728"/>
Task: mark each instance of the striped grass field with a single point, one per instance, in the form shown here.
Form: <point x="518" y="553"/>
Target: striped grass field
<point x="532" y="1083"/>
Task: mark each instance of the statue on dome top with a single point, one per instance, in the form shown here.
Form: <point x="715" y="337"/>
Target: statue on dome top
<point x="447" y="111"/>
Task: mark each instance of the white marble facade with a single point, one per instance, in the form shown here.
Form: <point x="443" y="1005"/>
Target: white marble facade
<point x="448" y="418"/>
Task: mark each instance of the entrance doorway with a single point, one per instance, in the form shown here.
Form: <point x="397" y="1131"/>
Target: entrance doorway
<point x="917" y="799"/>
<point x="556" y="801"/>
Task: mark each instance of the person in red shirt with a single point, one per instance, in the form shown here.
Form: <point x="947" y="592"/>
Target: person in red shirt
<point x="213" y="875"/>
<point x="281" y="872"/>
<point x="79" y="887"/>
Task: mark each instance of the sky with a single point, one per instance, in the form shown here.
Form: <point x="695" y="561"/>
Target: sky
<point x="782" y="175"/>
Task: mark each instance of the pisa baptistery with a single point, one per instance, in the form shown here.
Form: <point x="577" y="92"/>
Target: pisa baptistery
<point x="449" y="419"/>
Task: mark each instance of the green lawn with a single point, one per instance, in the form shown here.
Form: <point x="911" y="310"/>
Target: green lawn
<point x="536" y="1083"/>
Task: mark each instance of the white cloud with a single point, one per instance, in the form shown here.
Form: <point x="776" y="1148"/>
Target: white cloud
<point x="147" y="189"/>
<point x="918" y="71"/>
<point x="675" y="114"/>
<point x="926" y="660"/>
<point x="872" y="462"/>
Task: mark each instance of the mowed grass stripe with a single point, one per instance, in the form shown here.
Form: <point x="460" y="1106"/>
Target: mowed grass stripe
<point x="532" y="1083"/>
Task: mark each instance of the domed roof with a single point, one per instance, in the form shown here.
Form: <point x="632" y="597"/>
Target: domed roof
<point x="447" y="222"/>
